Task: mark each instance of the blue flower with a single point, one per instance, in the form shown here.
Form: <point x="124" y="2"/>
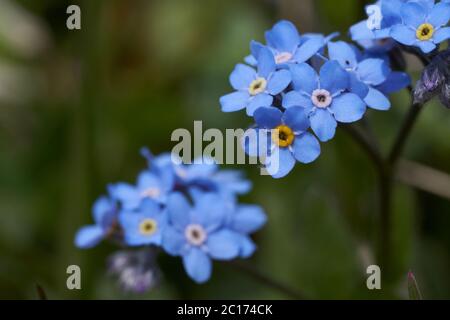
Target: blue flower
<point x="324" y="97"/>
<point x="148" y="186"/>
<point x="290" y="141"/>
<point x="145" y="225"/>
<point x="255" y="89"/>
<point x="198" y="234"/>
<point x="365" y="73"/>
<point x="104" y="212"/>
<point x="287" y="45"/>
<point x="423" y="25"/>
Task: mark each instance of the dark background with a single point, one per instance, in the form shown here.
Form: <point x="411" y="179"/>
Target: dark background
<point x="76" y="106"/>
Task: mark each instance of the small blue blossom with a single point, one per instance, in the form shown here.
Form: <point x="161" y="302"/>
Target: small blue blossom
<point x="365" y="73"/>
<point x="145" y="225"/>
<point x="255" y="89"/>
<point x="104" y="212"/>
<point x="287" y="45"/>
<point x="198" y="234"/>
<point x="289" y="139"/>
<point x="423" y="25"/>
<point x="324" y="97"/>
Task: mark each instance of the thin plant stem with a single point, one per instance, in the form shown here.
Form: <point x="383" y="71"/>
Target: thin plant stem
<point x="266" y="280"/>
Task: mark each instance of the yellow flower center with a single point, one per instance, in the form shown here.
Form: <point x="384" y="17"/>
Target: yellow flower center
<point x="257" y="86"/>
<point x="425" y="32"/>
<point x="283" y="136"/>
<point x="148" y="227"/>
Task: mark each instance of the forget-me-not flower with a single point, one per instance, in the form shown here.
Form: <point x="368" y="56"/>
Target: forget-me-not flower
<point x="145" y="225"/>
<point x="255" y="89"/>
<point x="324" y="97"/>
<point x="423" y="25"/>
<point x="199" y="234"/>
<point x="290" y="141"/>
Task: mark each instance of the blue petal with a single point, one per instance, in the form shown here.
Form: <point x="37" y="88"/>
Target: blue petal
<point x="233" y="180"/>
<point x="248" y="219"/>
<point x="304" y="78"/>
<point x="147" y="180"/>
<point x="248" y="247"/>
<point x="373" y="71"/>
<point x="89" y="236"/>
<point x="323" y="124"/>
<point x="126" y="194"/>
<point x="308" y="49"/>
<point x="333" y="78"/>
<point x="348" y="108"/>
<point x="150" y="207"/>
<point x="278" y="82"/>
<point x="377" y="100"/>
<point x="343" y="53"/>
<point x="178" y="209"/>
<point x="395" y="82"/>
<point x="360" y="31"/>
<point x="242" y="76"/>
<point x="255" y="47"/>
<point x="256" y="142"/>
<point x="306" y="148"/>
<point x="234" y="101"/>
<point x="223" y="245"/>
<point x="440" y="15"/>
<point x="296" y="119"/>
<point x="426" y="46"/>
<point x="260" y="100"/>
<point x="173" y="241"/>
<point x="413" y="14"/>
<point x="357" y="86"/>
<point x="266" y="63"/>
<point x="280" y="163"/>
<point x="404" y="35"/>
<point x="268" y="117"/>
<point x="441" y="35"/>
<point x="198" y="265"/>
<point x="284" y="37"/>
<point x="297" y="99"/>
<point x="210" y="211"/>
<point x="103" y="211"/>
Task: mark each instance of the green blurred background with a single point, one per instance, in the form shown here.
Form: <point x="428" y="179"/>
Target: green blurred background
<point x="76" y="106"/>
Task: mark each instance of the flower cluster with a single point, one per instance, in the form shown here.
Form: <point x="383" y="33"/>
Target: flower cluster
<point x="302" y="84"/>
<point x="190" y="211"/>
<point x="412" y="23"/>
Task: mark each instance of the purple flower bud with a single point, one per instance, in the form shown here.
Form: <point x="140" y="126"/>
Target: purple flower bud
<point x="136" y="271"/>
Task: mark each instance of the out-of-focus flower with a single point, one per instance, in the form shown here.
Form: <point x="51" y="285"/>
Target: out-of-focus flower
<point x="199" y="234"/>
<point x="255" y="89"/>
<point x="290" y="141"/>
<point x="104" y="212"/>
<point x="136" y="270"/>
<point x="423" y="25"/>
<point x="324" y="97"/>
<point x="287" y="45"/>
<point x="145" y="225"/>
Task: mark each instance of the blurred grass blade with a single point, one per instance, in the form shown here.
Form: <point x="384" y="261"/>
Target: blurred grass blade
<point x="41" y="293"/>
<point x="413" y="288"/>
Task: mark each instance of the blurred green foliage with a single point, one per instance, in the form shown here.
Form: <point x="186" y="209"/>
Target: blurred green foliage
<point x="76" y="106"/>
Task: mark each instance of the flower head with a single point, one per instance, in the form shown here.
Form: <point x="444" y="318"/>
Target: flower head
<point x="289" y="140"/>
<point x="423" y="24"/>
<point x="104" y="212"/>
<point x="145" y="225"/>
<point x="324" y="97"/>
<point x="255" y="88"/>
<point x="199" y="234"/>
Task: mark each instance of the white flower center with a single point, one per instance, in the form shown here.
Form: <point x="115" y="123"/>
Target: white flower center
<point x="283" y="57"/>
<point x="150" y="193"/>
<point x="321" y="98"/>
<point x="195" y="234"/>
